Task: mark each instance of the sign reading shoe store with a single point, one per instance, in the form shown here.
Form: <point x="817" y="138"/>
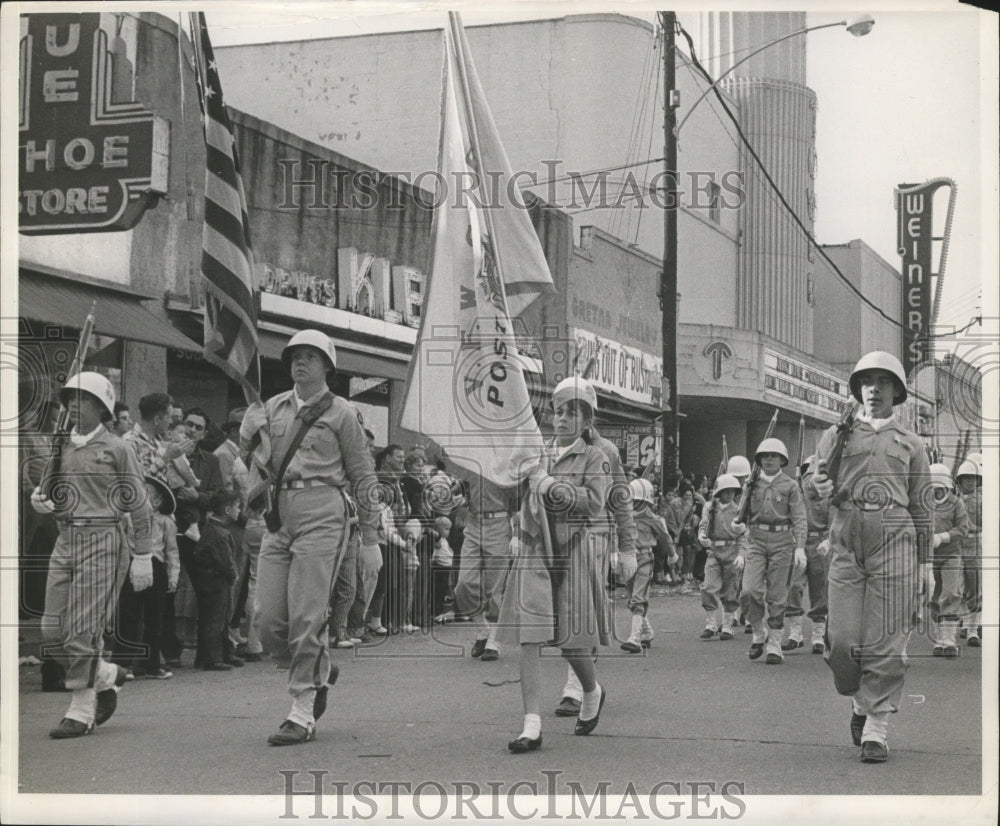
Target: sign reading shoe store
<point x="88" y="160"/>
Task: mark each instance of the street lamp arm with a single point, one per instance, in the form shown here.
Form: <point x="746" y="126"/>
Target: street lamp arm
<point x="739" y="63"/>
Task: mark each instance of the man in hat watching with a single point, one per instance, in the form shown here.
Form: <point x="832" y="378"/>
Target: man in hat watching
<point x="98" y="481"/>
<point x="307" y="522"/>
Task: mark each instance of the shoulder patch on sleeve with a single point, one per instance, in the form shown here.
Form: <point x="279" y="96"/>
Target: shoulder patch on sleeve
<point x="606" y="466"/>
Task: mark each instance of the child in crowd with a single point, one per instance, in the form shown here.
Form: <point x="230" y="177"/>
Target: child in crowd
<point x="215" y="572"/>
<point x="412" y="532"/>
<point x="144" y="609"/>
<point x="441" y="563"/>
<point x="650" y="529"/>
<point x="179" y="475"/>
<point x="724" y="565"/>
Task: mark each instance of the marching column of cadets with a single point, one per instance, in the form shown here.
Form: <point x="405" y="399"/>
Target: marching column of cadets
<point x="206" y="537"/>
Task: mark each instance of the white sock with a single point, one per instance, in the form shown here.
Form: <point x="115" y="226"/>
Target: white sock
<point x="876" y="728"/>
<point x="302" y="708"/>
<point x="855" y="707"/>
<point x="532" y="726"/>
<point x="105" y="677"/>
<point x="591" y="703"/>
<point x="491" y="640"/>
<point x="82" y="706"/>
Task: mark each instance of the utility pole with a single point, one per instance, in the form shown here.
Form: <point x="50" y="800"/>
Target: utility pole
<point x="668" y="278"/>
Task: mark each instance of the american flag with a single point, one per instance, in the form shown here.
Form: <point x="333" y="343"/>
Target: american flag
<point x="231" y="342"/>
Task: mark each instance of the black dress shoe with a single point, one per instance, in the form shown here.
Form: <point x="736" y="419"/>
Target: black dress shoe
<point x="756" y="649"/>
<point x="319" y="701"/>
<point x="478" y="647"/>
<point x="872" y="752"/>
<point x="216" y="667"/>
<point x="251" y="657"/>
<point x="523" y="744"/>
<point x="68" y="728"/>
<point x="568" y="707"/>
<point x="292" y="734"/>
<point x="857" y="727"/>
<point x="791" y="644"/>
<point x="587" y="726"/>
<point x="236" y="661"/>
<point x="490" y="655"/>
<point x="107" y="700"/>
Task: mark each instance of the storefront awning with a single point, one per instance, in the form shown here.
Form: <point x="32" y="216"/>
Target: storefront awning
<point x="118" y="314"/>
<point x="348" y="361"/>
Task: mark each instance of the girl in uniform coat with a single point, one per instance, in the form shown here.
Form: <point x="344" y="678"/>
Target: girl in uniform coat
<point x="556" y="591"/>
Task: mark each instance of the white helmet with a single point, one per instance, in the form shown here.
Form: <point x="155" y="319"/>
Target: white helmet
<point x="940" y="476"/>
<point x="879" y="360"/>
<point x="772" y="446"/>
<point x="975" y="457"/>
<point x="574" y="388"/>
<point x="310" y="338"/>
<point x="93" y="383"/>
<point x="642" y="490"/>
<point x="726" y="482"/>
<point x="738" y="466"/>
<point x="968" y="468"/>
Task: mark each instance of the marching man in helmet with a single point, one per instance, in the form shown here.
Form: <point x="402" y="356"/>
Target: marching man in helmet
<point x="650" y="527"/>
<point x="317" y="449"/>
<point x="880" y="529"/>
<point x="814" y="575"/>
<point x="724" y="565"/>
<point x="97" y="483"/>
<point x="970" y="489"/>
<point x="951" y="524"/>
<point x="777" y="529"/>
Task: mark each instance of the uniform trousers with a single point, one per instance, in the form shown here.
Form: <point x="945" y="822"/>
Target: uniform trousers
<point x="814" y="578"/>
<point x="86" y="570"/>
<point x="721" y="583"/>
<point x="295" y="573"/>
<point x="946" y="601"/>
<point x="483" y="566"/>
<point x="345" y="588"/>
<point x="766" y="576"/>
<point x="872" y="598"/>
<point x="972" y="576"/>
<point x="638" y="585"/>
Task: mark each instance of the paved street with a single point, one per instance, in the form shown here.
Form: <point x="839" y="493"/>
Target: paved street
<point x="415" y="709"/>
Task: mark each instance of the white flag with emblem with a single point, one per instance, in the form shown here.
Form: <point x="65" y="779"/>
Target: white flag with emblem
<point x="466" y="388"/>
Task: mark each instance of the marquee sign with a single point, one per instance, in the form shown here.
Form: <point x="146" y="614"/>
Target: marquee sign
<point x="915" y="239"/>
<point x="87" y="161"/>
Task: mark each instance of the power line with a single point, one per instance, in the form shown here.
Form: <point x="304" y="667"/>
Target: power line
<point x="780" y="194"/>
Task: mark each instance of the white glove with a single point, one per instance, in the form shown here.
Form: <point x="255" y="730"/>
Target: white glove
<point x="40" y="503"/>
<point x="739" y="562"/>
<point x="824" y="547"/>
<point x="370" y="559"/>
<point x="253" y="420"/>
<point x="627" y="565"/>
<point x="141" y="572"/>
<point x="799" y="561"/>
<point x="515" y="547"/>
<point x="704" y="540"/>
<point x="823" y="485"/>
<point x="939" y="539"/>
<point x="172" y="585"/>
<point x="738" y="528"/>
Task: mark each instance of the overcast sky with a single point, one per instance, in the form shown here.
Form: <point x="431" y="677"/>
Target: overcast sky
<point x="902" y="105"/>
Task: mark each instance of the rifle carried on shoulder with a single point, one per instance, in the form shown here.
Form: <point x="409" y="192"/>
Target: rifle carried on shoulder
<point x="722" y="469"/>
<point x="831" y="464"/>
<point x="751" y="482"/>
<point x="61" y="432"/>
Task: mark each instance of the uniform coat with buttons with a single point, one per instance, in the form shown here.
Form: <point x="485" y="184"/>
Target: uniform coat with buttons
<point x="559" y="592"/>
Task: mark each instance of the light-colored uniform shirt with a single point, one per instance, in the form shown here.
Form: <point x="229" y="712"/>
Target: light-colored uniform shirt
<point x="779" y="502"/>
<point x="950" y="517"/>
<point x="891" y="462"/>
<point x="333" y="451"/>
